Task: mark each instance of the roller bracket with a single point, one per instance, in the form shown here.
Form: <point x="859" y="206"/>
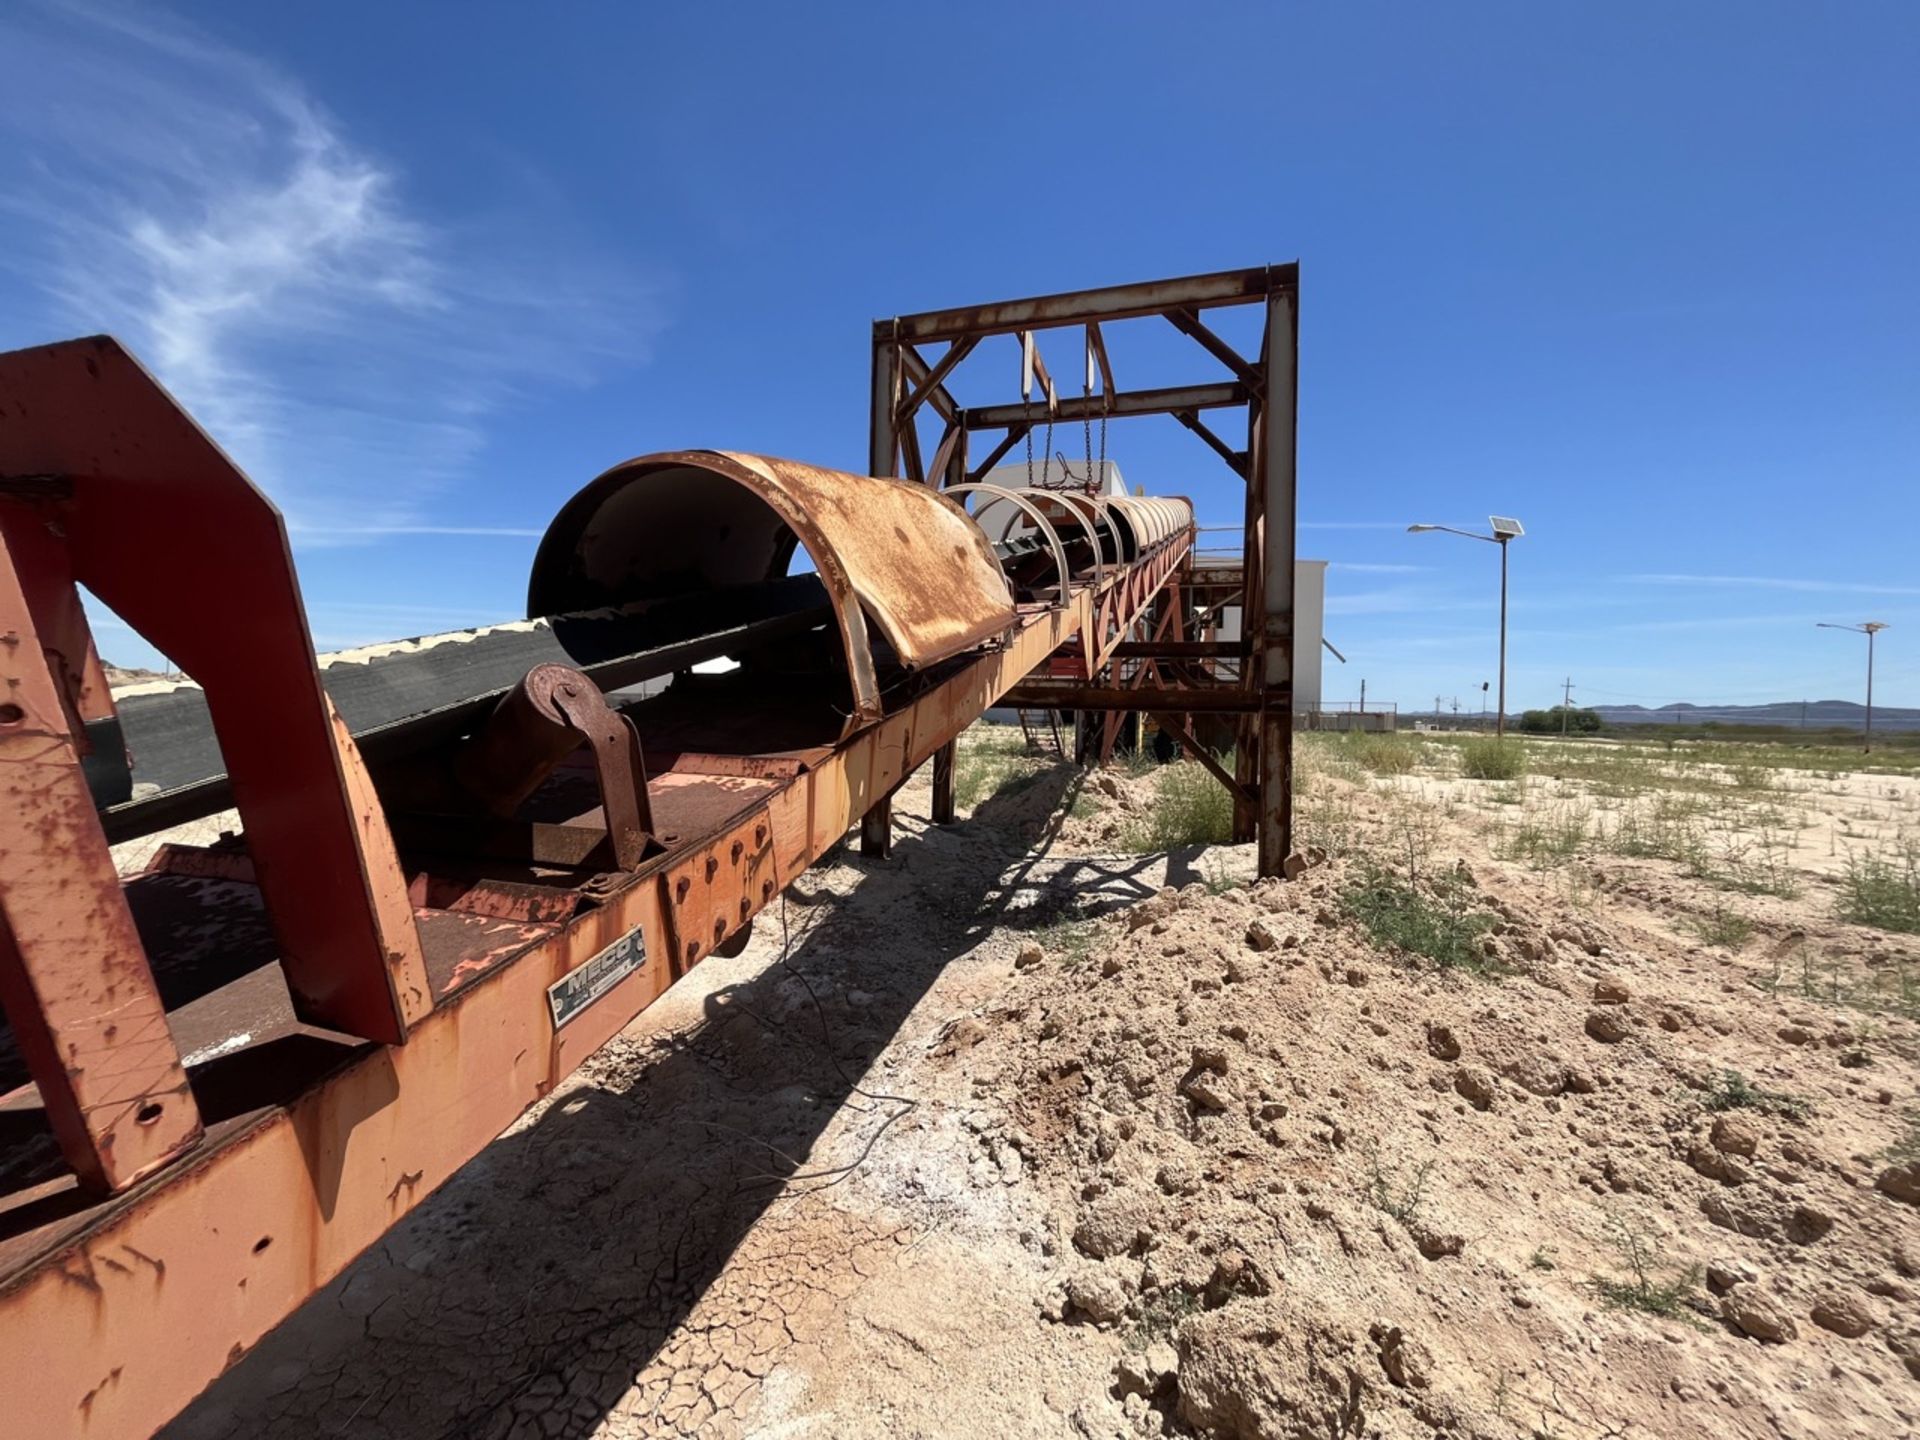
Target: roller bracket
<point x="538" y="724"/>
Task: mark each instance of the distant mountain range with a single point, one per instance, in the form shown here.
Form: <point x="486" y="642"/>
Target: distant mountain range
<point x="1790" y="714"/>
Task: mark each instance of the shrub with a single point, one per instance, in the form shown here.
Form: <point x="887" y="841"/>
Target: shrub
<point x="1379" y="753"/>
<point x="1722" y="927"/>
<point x="1487" y="758"/>
<point x="1642" y="1287"/>
<point x="1400" y="1198"/>
<point x="1190" y="807"/>
<point x="1434" y="919"/>
<point x="1883" y="890"/>
<point x="1733" y="1091"/>
<point x="1546" y="839"/>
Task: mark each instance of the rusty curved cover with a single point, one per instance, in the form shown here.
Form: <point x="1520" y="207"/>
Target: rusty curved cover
<point x="690" y="520"/>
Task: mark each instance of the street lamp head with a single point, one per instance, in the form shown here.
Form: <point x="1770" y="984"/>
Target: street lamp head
<point x="1420" y="529"/>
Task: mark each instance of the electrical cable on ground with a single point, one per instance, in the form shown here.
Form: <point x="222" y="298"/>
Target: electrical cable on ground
<point x="830" y="1175"/>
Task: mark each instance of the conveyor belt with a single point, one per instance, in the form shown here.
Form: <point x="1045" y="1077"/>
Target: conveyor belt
<point x="396" y="698"/>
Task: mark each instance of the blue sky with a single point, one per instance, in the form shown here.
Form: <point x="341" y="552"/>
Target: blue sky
<point x="1642" y="275"/>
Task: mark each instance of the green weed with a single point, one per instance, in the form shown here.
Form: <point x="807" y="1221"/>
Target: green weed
<point x="1489" y="758"/>
<point x="1190" y="807"/>
<point x="1379" y="753"/>
<point x="1722" y="928"/>
<point x="1161" y="1315"/>
<point x="1882" y="889"/>
<point x="1433" y="918"/>
<point x="1733" y="1091"/>
<point x="1390" y="1193"/>
<point x="1642" y="1288"/>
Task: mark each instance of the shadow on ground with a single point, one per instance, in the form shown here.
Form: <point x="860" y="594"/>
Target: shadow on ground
<point x="565" y="1282"/>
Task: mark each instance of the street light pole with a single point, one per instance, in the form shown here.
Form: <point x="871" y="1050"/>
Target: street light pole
<point x="1504" y="529"/>
<point x="1500" y="719"/>
<point x="1869" y="629"/>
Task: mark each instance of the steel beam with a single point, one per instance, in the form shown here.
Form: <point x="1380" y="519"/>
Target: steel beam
<point x="1179" y="650"/>
<point x="883" y="436"/>
<point x="929" y="386"/>
<point x="915" y="370"/>
<point x="78" y="997"/>
<point x="1218" y="700"/>
<point x="1274" y="656"/>
<point x="1113" y="302"/>
<point x="1169" y="401"/>
<point x="1187" y="322"/>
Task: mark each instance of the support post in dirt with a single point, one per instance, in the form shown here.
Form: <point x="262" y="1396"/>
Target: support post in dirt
<point x="1271" y="488"/>
<point x="943" y="759"/>
<point x="876" y="830"/>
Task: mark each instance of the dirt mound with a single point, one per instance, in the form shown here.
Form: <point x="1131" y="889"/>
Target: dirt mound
<point x="1344" y="1193"/>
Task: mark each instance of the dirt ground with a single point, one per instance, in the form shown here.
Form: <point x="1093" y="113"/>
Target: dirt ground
<point x="1016" y="1134"/>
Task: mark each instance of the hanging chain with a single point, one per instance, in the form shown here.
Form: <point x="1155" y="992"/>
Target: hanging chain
<point x="1093" y="480"/>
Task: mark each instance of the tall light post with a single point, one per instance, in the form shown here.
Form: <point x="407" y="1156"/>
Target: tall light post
<point x="1869" y="629"/>
<point x="1504" y="528"/>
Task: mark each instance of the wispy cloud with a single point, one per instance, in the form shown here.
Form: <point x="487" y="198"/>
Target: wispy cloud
<point x="1395" y="600"/>
<point x="345" y="348"/>
<point x="1399" y="525"/>
<point x="382" y="532"/>
<point x="1775" y="582"/>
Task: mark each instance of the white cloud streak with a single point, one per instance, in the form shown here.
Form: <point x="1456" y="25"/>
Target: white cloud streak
<point x="198" y="203"/>
<point x="1774" y="582"/>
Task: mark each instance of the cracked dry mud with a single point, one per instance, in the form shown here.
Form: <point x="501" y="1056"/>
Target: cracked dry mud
<point x="1214" y="1165"/>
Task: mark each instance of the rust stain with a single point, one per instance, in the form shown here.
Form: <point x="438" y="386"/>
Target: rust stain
<point x="86" y="1400"/>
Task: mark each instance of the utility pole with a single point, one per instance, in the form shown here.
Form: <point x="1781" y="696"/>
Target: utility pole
<point x="1869" y="629"/>
<point x="1439" y="715"/>
<point x="1566" y="706"/>
<point x="1363" y="695"/>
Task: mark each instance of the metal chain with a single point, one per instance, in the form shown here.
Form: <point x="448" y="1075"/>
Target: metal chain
<point x="1086" y="395"/>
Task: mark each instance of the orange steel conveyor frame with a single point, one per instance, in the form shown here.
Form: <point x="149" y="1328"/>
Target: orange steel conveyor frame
<point x="408" y="1006"/>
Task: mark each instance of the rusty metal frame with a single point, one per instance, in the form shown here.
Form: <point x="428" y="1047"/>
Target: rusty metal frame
<point x="905" y="380"/>
<point x="138" y="478"/>
<point x="170" y="1281"/>
<point x="182" y="1228"/>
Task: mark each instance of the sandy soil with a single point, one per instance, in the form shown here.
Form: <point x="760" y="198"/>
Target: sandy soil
<point x="1004" y="1136"/>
